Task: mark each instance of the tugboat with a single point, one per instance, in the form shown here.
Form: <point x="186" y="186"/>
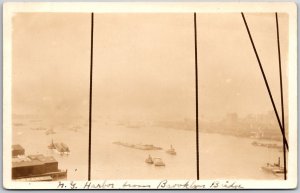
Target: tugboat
<point x="158" y="162"/>
<point x="149" y="160"/>
<point x="275" y="168"/>
<point x="171" y="151"/>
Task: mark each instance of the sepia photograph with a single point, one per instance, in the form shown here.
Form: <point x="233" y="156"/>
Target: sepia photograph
<point x="185" y="96"/>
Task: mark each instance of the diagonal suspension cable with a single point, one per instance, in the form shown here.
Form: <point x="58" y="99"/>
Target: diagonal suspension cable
<point x="281" y="92"/>
<point x="266" y="83"/>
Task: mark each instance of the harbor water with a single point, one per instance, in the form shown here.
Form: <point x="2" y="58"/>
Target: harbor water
<point x="221" y="156"/>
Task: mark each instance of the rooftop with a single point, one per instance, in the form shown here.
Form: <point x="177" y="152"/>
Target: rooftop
<point x="17" y="147"/>
<point x="32" y="160"/>
<point x="26" y="163"/>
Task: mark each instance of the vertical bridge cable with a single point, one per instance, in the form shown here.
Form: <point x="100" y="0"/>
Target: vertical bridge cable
<point x="266" y="83"/>
<point x="196" y="80"/>
<point x="91" y="92"/>
<point x="281" y="92"/>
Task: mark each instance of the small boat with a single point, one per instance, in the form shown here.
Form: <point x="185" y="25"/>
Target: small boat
<point x="65" y="147"/>
<point x="75" y="128"/>
<point x="149" y="160"/>
<point x="275" y="168"/>
<point x="39" y="129"/>
<point x="171" y="151"/>
<point x="60" y="148"/>
<point x="158" y="162"/>
<point x="50" y="131"/>
<point x="51" y="146"/>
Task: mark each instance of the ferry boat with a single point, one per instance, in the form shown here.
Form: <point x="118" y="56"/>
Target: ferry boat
<point x="158" y="162"/>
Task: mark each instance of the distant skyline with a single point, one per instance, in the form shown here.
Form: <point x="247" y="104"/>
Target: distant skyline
<point x="144" y="65"/>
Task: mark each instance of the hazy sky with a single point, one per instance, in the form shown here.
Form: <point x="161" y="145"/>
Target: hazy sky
<point x="50" y="64"/>
<point x="230" y="78"/>
<point x="144" y="64"/>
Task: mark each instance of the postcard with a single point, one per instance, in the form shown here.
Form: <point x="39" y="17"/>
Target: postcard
<point x="149" y="95"/>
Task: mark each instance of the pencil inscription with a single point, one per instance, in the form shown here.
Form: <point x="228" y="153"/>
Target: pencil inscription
<point x="163" y="184"/>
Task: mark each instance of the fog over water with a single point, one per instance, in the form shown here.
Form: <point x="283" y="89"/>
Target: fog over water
<point x="221" y="156"/>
